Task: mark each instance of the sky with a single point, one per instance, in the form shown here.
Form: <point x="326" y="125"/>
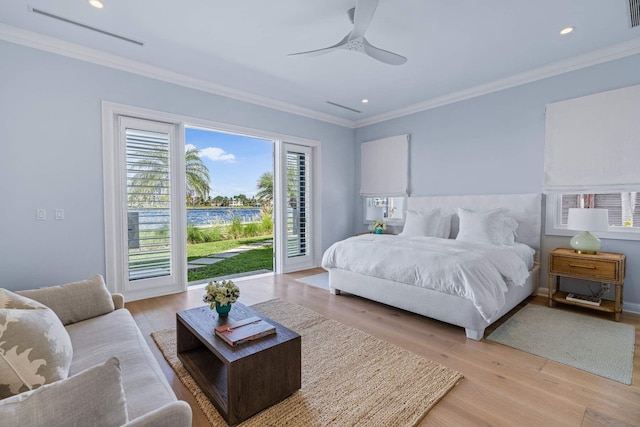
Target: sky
<point x="235" y="162"/>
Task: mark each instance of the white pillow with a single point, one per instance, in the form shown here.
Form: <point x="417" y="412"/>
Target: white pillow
<point x="92" y="397"/>
<point x="486" y="227"/>
<point x="444" y="226"/>
<point x="421" y="224"/>
<point x="508" y="233"/>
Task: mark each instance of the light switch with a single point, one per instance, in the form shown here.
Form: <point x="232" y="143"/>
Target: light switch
<point x="59" y="213"/>
<point x="41" y="214"/>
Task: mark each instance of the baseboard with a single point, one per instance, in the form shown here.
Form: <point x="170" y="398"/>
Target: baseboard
<point x="629" y="307"/>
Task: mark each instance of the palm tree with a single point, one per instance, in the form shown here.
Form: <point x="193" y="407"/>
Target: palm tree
<point x="197" y="174"/>
<point x="151" y="172"/>
<point x="265" y="187"/>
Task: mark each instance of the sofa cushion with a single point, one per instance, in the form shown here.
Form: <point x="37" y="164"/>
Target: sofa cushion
<point x="92" y="397"/>
<point x="35" y="349"/>
<point x="116" y="334"/>
<point x="75" y="301"/>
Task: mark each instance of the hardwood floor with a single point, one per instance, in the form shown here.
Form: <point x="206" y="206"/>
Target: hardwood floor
<point x="502" y="386"/>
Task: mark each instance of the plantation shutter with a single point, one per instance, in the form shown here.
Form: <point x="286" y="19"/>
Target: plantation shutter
<point x="297" y="203"/>
<point x="149" y="195"/>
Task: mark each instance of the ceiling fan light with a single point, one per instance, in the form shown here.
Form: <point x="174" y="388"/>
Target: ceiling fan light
<point x="566" y="30"/>
<point x="96" y="3"/>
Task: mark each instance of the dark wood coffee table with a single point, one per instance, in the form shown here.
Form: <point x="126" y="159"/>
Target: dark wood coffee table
<point x="240" y="381"/>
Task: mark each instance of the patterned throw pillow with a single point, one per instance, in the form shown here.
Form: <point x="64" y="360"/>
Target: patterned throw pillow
<point x="35" y="349"/>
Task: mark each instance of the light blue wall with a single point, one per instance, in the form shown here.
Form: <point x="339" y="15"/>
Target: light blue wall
<point x="51" y="157"/>
<point x="495" y="144"/>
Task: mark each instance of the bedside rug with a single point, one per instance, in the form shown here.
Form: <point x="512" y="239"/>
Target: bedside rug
<point x="318" y="280"/>
<point x="349" y="378"/>
<point x="599" y="346"/>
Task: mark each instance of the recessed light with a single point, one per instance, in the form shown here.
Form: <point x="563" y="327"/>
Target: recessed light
<point x="566" y="30"/>
<point x="364" y="101"/>
<point x="96" y="3"/>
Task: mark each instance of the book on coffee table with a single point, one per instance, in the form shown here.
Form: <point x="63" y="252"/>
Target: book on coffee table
<point x="244" y="330"/>
<point x="584" y="299"/>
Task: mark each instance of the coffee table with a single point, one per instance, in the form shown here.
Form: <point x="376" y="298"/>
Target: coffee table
<point x="240" y="381"/>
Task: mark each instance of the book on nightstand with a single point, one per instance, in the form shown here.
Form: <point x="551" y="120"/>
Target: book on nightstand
<point x="244" y="330"/>
<point x="584" y="299"/>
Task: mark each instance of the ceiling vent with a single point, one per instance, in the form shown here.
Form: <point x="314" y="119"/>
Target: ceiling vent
<point x="85" y="26"/>
<point x="634" y="10"/>
<point x="342" y="106"/>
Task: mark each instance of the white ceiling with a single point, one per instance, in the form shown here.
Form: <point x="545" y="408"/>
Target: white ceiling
<point x="454" y="48"/>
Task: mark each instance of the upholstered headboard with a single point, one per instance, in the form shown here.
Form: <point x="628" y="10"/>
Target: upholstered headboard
<point x="526" y="209"/>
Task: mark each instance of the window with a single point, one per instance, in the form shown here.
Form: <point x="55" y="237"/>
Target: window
<point x="391" y="209"/>
<point x="623" y="207"/>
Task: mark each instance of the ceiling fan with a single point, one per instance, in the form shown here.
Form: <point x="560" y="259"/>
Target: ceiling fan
<point x="361" y="17"/>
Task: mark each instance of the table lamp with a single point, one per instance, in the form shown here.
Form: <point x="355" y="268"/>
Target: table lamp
<point x="587" y="220"/>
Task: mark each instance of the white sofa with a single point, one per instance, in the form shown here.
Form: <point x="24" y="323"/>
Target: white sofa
<point x="100" y="329"/>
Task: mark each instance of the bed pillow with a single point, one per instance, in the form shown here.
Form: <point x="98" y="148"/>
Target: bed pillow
<point x="486" y="227"/>
<point x="508" y="234"/>
<point x="444" y="226"/>
<point x="422" y="224"/>
<point x="35" y="349"/>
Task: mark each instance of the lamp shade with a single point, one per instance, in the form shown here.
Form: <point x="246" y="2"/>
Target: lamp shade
<point x="588" y="219"/>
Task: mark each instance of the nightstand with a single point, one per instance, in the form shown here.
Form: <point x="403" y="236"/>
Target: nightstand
<point x="603" y="267"/>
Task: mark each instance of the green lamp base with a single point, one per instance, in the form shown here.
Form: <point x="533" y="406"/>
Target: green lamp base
<point x="585" y="243"/>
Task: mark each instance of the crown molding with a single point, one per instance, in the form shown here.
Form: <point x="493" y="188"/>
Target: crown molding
<point x="596" y="57"/>
<point x="72" y="50"/>
<point x="75" y="51"/>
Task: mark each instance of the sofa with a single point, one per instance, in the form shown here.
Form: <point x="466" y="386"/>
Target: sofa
<point x="96" y="370"/>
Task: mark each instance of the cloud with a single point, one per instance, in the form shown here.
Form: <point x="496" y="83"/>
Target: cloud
<point x="214" y="154"/>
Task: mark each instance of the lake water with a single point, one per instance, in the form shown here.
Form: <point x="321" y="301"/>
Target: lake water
<point x="158" y="219"/>
<point x="214" y="216"/>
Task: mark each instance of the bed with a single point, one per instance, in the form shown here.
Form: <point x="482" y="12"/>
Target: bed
<point x="469" y="298"/>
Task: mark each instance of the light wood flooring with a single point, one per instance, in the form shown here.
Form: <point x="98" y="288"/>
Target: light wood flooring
<point x="502" y="386"/>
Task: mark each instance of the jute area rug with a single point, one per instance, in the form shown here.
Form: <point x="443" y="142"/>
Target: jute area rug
<point x="599" y="346"/>
<point x="349" y="378"/>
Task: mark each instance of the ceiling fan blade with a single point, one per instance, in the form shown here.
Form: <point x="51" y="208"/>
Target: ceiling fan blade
<point x="365" y="10"/>
<point x="324" y="50"/>
<point x="383" y="55"/>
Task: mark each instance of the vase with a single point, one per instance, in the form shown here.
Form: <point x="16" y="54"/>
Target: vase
<point x="223" y="310"/>
<point x="378" y="231"/>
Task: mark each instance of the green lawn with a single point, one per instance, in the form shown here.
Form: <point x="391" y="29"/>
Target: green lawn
<point x="257" y="259"/>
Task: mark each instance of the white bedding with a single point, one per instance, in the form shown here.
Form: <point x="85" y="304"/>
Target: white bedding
<point x="476" y="272"/>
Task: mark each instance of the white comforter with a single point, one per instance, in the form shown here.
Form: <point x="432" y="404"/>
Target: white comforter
<point x="473" y="271"/>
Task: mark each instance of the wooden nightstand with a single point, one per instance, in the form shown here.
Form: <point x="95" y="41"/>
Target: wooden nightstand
<point x="603" y="267"/>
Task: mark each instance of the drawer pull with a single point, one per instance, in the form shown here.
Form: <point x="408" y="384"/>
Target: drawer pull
<point x="590" y="267"/>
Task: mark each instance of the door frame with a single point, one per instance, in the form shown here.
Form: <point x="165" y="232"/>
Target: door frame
<point x="110" y="113"/>
<point x="115" y="208"/>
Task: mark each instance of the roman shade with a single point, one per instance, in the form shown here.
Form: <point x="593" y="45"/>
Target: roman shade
<point x="593" y="143"/>
<point x="384" y="167"/>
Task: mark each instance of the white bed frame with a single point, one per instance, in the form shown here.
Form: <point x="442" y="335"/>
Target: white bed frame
<point x="524" y="208"/>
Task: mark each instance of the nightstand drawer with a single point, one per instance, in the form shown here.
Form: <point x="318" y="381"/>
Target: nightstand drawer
<point x="606" y="270"/>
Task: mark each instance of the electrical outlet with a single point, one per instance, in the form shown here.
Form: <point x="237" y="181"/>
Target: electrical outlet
<point x="605" y="288"/>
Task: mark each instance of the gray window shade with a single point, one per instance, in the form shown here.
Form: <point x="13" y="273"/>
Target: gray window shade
<point x="384" y="167"/>
<point x="148" y="203"/>
<point x="593" y="143"/>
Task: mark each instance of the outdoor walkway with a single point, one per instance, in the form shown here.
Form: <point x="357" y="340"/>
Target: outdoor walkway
<point x="215" y="258"/>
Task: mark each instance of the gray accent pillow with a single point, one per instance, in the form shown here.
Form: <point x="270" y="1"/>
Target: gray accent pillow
<point x="35" y="348"/>
<point x="92" y="397"/>
<point x="75" y="301"/>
